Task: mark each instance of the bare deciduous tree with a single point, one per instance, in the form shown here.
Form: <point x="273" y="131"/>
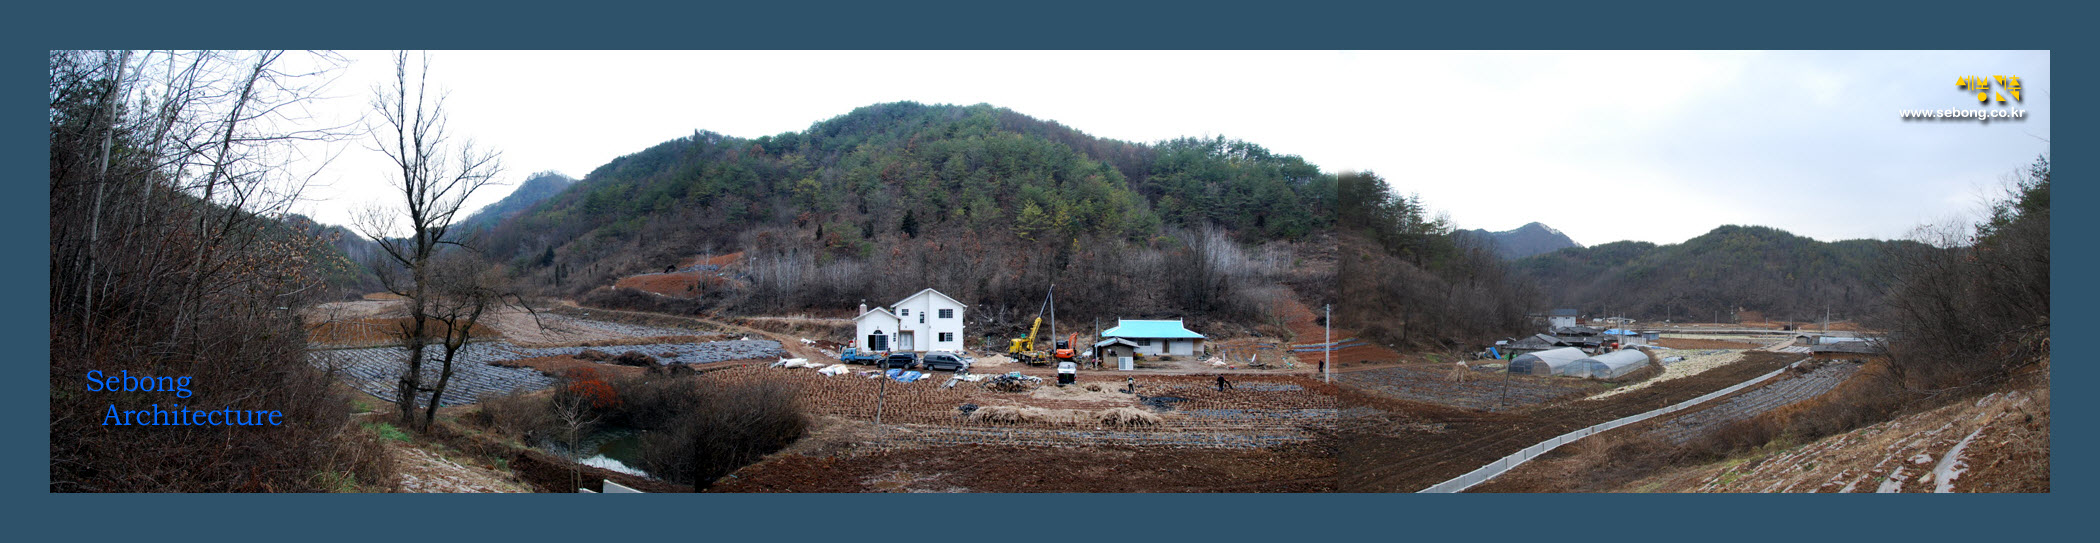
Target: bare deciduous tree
<point x="436" y="176"/>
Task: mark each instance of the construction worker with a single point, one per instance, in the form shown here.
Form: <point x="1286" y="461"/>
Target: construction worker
<point x="1223" y="384"/>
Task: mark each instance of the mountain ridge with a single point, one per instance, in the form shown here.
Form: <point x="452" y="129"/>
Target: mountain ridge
<point x="1531" y="239"/>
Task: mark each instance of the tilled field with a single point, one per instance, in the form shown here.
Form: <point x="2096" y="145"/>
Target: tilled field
<point x="1422" y="444"/>
<point x="1191" y="412"/>
<point x="1303" y="467"/>
<point x="1788" y="389"/>
<point x="1267" y="433"/>
<point x="1485" y="393"/>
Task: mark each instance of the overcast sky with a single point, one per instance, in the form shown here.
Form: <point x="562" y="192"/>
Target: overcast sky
<point x="1605" y="146"/>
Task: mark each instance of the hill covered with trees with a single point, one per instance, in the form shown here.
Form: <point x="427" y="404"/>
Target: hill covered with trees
<point x="1411" y="280"/>
<point x="983" y="203"/>
<point x="1753" y="268"/>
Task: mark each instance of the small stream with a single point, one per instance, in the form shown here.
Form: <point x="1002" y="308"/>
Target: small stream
<point x="616" y="449"/>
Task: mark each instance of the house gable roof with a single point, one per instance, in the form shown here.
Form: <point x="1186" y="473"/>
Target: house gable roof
<point x="1150" y="329"/>
<point x="884" y="312"/>
<point x="923" y="293"/>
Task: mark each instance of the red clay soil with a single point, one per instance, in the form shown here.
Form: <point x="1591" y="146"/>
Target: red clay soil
<point x="1439" y="442"/>
<point x="682" y="284"/>
<point x="716" y="260"/>
<point x="1304" y="324"/>
<point x="983" y="468"/>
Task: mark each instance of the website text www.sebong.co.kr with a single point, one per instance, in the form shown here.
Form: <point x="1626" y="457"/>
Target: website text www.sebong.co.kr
<point x="1979" y="114"/>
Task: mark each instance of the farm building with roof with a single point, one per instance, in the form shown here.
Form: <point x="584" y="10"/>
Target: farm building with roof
<point x="1158" y="337"/>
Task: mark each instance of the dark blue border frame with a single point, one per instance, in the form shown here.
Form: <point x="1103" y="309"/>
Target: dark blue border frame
<point x="976" y="25"/>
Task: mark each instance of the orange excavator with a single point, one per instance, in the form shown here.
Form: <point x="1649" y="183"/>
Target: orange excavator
<point x="1065" y="352"/>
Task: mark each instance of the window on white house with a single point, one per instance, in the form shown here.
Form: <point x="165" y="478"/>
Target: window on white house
<point x="1142" y="342"/>
<point x="947" y="336"/>
<point x="902" y="312"/>
<point x="947" y="313"/>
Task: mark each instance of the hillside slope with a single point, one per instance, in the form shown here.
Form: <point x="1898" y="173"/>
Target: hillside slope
<point x="1731" y="268"/>
<point x="1995" y="443"/>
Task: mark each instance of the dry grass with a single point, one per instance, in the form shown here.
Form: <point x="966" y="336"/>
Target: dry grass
<point x="1008" y="414"/>
<point x="1127" y="416"/>
<point x="371" y="331"/>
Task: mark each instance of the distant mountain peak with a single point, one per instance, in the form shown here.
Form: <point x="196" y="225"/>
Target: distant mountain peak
<point x="1531" y="239"/>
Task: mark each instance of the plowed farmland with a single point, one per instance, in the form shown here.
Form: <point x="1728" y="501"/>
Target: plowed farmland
<point x="1415" y="444"/>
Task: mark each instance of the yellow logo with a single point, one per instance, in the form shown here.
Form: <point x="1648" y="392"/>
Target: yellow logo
<point x="2008" y="84"/>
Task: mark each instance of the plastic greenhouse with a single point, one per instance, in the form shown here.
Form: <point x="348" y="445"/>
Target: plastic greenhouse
<point x="1547" y="362"/>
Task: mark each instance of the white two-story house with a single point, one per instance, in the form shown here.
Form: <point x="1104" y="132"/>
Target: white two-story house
<point x="927" y="321"/>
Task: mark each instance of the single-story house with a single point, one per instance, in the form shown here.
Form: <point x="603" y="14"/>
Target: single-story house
<point x="1563" y="317"/>
<point x="1156" y="337"/>
<point x="1114" y="348"/>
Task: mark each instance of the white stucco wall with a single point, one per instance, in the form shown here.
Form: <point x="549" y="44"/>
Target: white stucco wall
<point x="920" y="314"/>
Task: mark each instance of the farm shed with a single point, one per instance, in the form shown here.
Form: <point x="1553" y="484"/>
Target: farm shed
<point x="1547" y="362"/>
<point x="1609" y="365"/>
<point x="1533" y="343"/>
<point x="1626" y="337"/>
<point x="1563" y="317"/>
<point x="1158" y="337"/>
<point x="1114" y="348"/>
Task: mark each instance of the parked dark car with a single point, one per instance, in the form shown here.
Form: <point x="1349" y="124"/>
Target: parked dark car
<point x="902" y="361"/>
<point x="944" y="361"/>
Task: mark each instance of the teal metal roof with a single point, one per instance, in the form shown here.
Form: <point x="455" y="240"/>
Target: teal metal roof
<point x="1150" y="329"/>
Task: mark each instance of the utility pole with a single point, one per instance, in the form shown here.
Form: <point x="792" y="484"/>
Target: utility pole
<point x="1327" y="367"/>
<point x="882" y="390"/>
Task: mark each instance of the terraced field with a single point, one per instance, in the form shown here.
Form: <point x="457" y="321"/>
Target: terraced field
<point x="377" y="371"/>
<point x="1789" y="389"/>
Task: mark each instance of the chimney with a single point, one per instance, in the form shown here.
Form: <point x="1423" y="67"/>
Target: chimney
<point x="863" y="308"/>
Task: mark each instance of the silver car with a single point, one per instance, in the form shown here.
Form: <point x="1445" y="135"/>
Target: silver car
<point x="945" y="361"/>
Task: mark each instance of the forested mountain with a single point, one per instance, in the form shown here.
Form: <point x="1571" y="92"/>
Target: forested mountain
<point x="1527" y="240"/>
<point x="1410" y="280"/>
<point x="537" y="187"/>
<point x="981" y="202"/>
<point x="1751" y="268"/>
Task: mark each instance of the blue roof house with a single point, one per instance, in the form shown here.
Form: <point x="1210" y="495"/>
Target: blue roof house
<point x="1158" y="337"/>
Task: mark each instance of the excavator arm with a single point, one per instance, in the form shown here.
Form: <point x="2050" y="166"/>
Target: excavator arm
<point x="1027" y="343"/>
